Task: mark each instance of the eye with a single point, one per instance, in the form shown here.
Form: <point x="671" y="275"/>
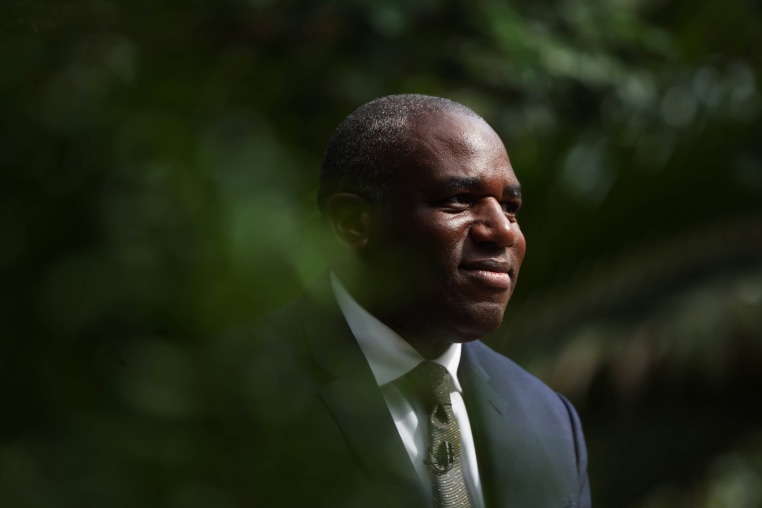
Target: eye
<point x="511" y="207"/>
<point x="458" y="201"/>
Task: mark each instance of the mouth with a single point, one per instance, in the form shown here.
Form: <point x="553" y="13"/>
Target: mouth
<point x="494" y="273"/>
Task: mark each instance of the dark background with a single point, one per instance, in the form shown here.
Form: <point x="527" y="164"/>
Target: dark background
<point x="159" y="164"/>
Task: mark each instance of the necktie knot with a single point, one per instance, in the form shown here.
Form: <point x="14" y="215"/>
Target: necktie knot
<point x="432" y="383"/>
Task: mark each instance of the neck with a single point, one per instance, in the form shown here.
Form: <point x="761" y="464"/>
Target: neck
<point x="429" y="345"/>
<point x="413" y="323"/>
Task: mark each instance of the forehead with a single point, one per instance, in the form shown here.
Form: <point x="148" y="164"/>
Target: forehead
<point x="447" y="146"/>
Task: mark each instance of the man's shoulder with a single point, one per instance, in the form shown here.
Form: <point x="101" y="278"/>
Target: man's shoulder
<point x="514" y="383"/>
<point x="255" y="357"/>
<point x="497" y="365"/>
<point x="316" y="303"/>
<point x="284" y="319"/>
<point x="532" y="417"/>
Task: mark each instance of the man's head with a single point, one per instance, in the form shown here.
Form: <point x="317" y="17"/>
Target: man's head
<point x="422" y="201"/>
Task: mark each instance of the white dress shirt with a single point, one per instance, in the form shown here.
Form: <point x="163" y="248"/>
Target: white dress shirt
<point x="391" y="357"/>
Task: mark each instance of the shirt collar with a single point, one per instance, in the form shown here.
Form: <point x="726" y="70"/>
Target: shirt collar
<point x="389" y="355"/>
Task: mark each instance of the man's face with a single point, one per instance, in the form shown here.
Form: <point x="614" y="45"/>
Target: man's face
<point x="447" y="238"/>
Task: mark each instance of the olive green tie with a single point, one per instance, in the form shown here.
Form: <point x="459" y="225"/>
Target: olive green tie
<point x="432" y="385"/>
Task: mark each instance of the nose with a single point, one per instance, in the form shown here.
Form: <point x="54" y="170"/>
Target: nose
<point x="493" y="225"/>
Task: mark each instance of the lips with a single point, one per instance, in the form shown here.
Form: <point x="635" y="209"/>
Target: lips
<point x="495" y="273"/>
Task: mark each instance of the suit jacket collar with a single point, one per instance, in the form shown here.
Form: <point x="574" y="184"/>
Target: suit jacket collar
<point x="351" y="395"/>
<point x="487" y="413"/>
<point x="517" y="442"/>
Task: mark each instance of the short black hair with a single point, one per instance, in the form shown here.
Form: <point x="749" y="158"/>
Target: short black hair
<point x="372" y="142"/>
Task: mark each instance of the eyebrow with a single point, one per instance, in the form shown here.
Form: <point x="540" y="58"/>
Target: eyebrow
<point x="455" y="184"/>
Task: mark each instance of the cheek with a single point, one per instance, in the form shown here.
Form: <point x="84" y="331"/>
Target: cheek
<point x="446" y="242"/>
<point x="438" y="233"/>
<point x="520" y="249"/>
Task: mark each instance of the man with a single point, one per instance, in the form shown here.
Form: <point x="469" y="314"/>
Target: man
<point x="419" y="202"/>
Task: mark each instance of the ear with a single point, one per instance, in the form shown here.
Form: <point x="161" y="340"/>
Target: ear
<point x="349" y="217"/>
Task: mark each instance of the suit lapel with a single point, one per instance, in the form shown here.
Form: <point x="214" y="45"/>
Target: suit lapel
<point x="369" y="430"/>
<point x="488" y="415"/>
<point x="351" y="395"/>
<point x="519" y="442"/>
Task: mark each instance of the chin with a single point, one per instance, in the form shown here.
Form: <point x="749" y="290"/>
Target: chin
<point x="471" y="323"/>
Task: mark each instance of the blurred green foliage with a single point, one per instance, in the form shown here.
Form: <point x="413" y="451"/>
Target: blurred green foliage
<point x="159" y="166"/>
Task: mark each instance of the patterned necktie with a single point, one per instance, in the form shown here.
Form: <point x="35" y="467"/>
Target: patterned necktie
<point x="432" y="384"/>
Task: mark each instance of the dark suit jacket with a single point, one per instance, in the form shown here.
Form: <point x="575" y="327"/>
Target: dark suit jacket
<point x="320" y="433"/>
